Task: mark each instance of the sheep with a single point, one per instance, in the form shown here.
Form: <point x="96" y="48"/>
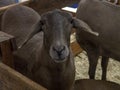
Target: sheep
<point x="22" y="18"/>
<point x="6" y="2"/>
<point x="102" y="17"/>
<point x="90" y="84"/>
<point x="20" y="22"/>
<point x="45" y="56"/>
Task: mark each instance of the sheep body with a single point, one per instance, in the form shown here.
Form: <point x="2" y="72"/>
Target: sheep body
<point x="102" y="17"/>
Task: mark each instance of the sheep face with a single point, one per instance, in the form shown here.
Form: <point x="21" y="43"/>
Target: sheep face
<point x="56" y="26"/>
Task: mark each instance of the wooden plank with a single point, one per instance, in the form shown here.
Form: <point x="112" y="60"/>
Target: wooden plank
<point x="5" y="36"/>
<point x="12" y="80"/>
<point x="76" y="49"/>
<point x="6" y="48"/>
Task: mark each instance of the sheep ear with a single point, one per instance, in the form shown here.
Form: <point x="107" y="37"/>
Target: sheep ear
<point x="37" y="28"/>
<point x="83" y="26"/>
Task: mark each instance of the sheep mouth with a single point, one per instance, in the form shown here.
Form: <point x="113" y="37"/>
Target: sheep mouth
<point x="60" y="60"/>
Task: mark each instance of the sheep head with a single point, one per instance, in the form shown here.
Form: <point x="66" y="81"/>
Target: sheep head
<point x="57" y="26"/>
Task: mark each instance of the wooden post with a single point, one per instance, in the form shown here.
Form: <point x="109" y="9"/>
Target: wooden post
<point x="6" y="48"/>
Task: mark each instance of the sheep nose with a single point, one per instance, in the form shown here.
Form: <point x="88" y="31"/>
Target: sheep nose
<point x="59" y="49"/>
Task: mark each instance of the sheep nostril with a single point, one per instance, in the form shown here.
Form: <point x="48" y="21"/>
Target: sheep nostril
<point x="59" y="49"/>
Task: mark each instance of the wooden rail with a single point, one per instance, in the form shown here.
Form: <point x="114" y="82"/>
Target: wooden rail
<point x="12" y="80"/>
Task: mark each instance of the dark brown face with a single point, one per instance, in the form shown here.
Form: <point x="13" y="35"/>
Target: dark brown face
<point x="57" y="29"/>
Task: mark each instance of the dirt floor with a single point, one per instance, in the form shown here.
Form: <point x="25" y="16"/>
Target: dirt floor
<point x="81" y="63"/>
